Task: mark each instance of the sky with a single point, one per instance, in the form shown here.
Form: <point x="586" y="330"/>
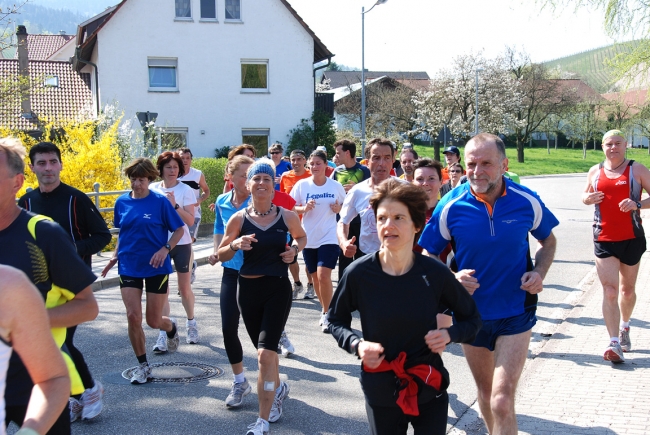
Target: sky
<point x="424" y="35"/>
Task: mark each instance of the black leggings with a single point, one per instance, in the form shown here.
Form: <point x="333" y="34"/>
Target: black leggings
<point x="78" y="359"/>
<point x="60" y="427"/>
<point x="230" y="315"/>
<point x="264" y="303"/>
<point x="392" y="420"/>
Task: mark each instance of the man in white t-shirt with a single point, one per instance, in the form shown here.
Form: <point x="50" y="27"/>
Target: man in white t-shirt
<point x="381" y="156"/>
<point x="196" y="180"/>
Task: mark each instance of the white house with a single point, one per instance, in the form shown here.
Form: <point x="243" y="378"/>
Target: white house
<point x="216" y="72"/>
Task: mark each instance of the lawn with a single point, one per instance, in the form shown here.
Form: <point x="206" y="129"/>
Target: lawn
<point x="560" y="161"/>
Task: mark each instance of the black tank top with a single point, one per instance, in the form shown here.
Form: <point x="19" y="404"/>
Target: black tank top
<point x="264" y="258"/>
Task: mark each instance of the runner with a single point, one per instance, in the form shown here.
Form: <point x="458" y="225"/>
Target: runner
<point x="264" y="296"/>
<point x="615" y="186"/>
<point x="80" y="219"/>
<point x="487" y="221"/>
<point x="145" y="218"/>
<point x="181" y="196"/>
<point x="43" y="251"/>
<point x="318" y="200"/>
<point x="25" y="328"/>
<point x="196" y="180"/>
<point x="396" y="286"/>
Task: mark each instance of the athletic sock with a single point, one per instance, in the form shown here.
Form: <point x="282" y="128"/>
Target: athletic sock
<point x="278" y="390"/>
<point x="171" y="333"/>
<point x="625" y="325"/>
<point x="298" y="283"/>
<point x="191" y="322"/>
<point x="142" y="358"/>
<point x="614" y="339"/>
<point x="240" y="378"/>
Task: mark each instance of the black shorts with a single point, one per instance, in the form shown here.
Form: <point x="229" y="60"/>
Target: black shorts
<point x="155" y="284"/>
<point x="627" y="251"/>
<point x="181" y="255"/>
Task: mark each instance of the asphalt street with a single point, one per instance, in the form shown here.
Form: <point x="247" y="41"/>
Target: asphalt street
<point x="325" y="397"/>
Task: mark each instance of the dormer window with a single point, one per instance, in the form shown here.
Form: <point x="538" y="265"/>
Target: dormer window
<point x="51" y="81"/>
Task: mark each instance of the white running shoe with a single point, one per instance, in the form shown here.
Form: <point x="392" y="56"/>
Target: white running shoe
<point x="310" y="293"/>
<point x="258" y="428"/>
<point x="91" y="399"/>
<point x="141" y="374"/>
<point x="237" y="393"/>
<point x="161" y="345"/>
<point x="614" y="353"/>
<point x="325" y="327"/>
<point x="172" y="343"/>
<point x="286" y="348"/>
<point x="297" y="289"/>
<point x="192" y="333"/>
<point x="276" y="408"/>
<point x="76" y="408"/>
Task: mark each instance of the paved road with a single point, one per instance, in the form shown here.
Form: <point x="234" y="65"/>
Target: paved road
<point x="325" y="395"/>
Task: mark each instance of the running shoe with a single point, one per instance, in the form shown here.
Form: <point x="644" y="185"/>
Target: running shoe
<point x="237" y="393"/>
<point x="297" y="289"/>
<point x="286" y="348"/>
<point x="258" y="428"/>
<point x="310" y="293"/>
<point x="76" y="409"/>
<point x="624" y="339"/>
<point x="276" y="408"/>
<point x="192" y="333"/>
<point x="91" y="399"/>
<point x="325" y="327"/>
<point x="141" y="374"/>
<point x="193" y="276"/>
<point x="172" y="343"/>
<point x="614" y="353"/>
<point x="161" y="345"/>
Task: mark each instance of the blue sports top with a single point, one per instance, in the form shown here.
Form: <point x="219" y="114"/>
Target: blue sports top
<point x="223" y="212"/>
<point x="494" y="242"/>
<point x="143" y="223"/>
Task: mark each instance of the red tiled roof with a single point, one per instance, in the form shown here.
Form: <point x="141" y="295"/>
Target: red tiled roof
<point x="71" y="100"/>
<point x="41" y="47"/>
<point x="635" y="97"/>
<point x="582" y="90"/>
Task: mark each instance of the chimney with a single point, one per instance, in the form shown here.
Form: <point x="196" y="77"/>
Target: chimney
<point x="23" y="69"/>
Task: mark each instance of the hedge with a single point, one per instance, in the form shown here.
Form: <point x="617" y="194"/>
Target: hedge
<point x="213" y="169"/>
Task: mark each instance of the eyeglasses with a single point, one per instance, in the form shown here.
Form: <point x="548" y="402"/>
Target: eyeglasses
<point x="275" y="152"/>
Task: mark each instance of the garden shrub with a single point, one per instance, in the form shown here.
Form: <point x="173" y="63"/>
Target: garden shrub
<point x="213" y="170"/>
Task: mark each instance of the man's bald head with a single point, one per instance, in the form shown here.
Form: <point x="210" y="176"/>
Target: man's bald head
<point x="485" y="139"/>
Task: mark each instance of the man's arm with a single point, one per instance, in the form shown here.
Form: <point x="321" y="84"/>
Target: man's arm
<point x="204" y="188"/>
<point x="82" y="308"/>
<point x="589" y="196"/>
<point x="532" y="281"/>
<point x="99" y="235"/>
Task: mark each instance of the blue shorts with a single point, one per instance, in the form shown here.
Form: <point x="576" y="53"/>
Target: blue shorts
<point x="323" y="256"/>
<point x="493" y="329"/>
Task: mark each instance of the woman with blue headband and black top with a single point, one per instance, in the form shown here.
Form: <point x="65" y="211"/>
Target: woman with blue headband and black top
<point x="264" y="298"/>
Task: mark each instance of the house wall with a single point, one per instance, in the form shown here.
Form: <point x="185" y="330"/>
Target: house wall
<point x="209" y="98"/>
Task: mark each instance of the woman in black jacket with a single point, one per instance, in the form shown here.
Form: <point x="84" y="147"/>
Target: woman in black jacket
<point x="397" y="293"/>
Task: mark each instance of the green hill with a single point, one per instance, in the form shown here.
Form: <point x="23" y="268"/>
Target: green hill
<point x="590" y="65"/>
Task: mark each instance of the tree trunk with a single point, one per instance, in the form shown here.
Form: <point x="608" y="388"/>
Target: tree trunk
<point x="520" y="150"/>
<point x="594" y="144"/>
<point x="436" y="151"/>
<point x="556" y="135"/>
<point x="548" y="144"/>
<point x="584" y="149"/>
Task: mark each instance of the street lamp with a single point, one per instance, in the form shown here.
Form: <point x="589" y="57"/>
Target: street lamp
<point x="363" y="78"/>
<point x="478" y="70"/>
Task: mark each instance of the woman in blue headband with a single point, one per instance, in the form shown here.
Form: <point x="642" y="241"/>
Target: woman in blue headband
<point x="264" y="298"/>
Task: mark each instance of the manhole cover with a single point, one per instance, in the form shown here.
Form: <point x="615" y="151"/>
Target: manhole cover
<point x="178" y="372"/>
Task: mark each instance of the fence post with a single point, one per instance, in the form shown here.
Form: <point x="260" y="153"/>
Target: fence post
<point x="96" y="189"/>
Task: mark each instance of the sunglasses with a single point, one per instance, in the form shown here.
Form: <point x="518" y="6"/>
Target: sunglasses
<point x="276" y="152"/>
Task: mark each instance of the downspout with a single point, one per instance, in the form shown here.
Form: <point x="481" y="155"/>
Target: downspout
<point x="329" y="61"/>
<point x="87" y="62"/>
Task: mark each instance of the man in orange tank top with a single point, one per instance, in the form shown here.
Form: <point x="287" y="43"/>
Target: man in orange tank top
<point x="614" y="187"/>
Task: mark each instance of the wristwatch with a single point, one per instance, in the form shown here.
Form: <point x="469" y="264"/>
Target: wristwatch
<point x="176" y="207"/>
<point x="169" y="248"/>
<point x="638" y="205"/>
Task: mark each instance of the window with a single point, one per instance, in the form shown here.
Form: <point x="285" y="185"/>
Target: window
<point x="183" y="9"/>
<point x="162" y="74"/>
<point x="254" y="75"/>
<point x="258" y="137"/>
<point x="171" y="138"/>
<point x="233" y="10"/>
<point x="51" y="81"/>
<point x="208" y="9"/>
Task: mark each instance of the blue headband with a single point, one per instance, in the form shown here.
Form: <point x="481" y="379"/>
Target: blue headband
<point x="261" y="166"/>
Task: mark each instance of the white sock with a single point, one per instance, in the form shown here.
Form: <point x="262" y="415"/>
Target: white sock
<point x="625" y="324"/>
<point x="279" y="389"/>
<point x="191" y="322"/>
<point x="615" y="339"/>
<point x="240" y="378"/>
